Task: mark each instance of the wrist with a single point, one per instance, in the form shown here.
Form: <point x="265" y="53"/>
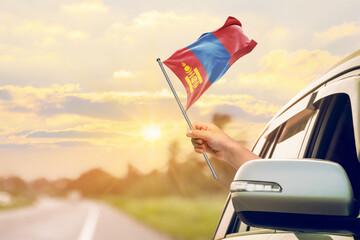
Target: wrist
<point x="238" y="154"/>
<point x="233" y="152"/>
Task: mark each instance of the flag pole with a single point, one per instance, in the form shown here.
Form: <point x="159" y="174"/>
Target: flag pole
<point x="184" y="113"/>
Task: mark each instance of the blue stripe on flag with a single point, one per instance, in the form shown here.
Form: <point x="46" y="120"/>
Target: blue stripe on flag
<point x="212" y="54"/>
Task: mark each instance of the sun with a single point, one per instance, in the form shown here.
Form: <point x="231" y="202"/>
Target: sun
<point x="151" y="132"/>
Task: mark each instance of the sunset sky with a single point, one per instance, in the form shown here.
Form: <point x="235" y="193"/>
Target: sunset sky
<point x="80" y="86"/>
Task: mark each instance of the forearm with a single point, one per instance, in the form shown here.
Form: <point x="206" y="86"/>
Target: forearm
<point x="237" y="154"/>
<point x="207" y="137"/>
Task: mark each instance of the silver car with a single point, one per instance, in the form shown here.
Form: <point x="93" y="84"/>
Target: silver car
<point x="307" y="186"/>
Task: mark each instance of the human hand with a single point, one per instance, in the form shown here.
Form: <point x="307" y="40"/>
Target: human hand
<point x="207" y="137"/>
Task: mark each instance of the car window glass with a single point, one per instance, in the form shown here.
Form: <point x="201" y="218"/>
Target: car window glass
<point x="269" y="143"/>
<point x="243" y="227"/>
<point x="255" y="229"/>
<point x="234" y="227"/>
<point x="226" y="221"/>
<point x="259" y="146"/>
<point x="292" y="136"/>
<point x="333" y="137"/>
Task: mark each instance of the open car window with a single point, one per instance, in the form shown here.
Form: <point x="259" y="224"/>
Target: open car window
<point x="333" y="137"/>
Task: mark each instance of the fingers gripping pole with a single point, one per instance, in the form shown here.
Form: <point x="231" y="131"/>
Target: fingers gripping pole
<point x="184" y="113"/>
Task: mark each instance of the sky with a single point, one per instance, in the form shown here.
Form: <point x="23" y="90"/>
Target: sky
<point x="80" y="86"/>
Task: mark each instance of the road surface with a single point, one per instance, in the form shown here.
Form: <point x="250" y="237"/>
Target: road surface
<point x="54" y="219"/>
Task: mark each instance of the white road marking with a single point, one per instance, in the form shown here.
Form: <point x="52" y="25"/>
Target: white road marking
<point x="91" y="220"/>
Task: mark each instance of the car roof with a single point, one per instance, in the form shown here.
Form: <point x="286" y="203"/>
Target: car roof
<point x="345" y="65"/>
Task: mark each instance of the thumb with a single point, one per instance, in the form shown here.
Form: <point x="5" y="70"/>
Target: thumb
<point x="203" y="134"/>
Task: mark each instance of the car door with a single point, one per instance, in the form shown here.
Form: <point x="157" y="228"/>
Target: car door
<point x="324" y="125"/>
<point x="335" y="135"/>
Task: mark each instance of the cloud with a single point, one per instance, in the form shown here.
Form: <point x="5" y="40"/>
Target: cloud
<point x="49" y="32"/>
<point x="37" y="27"/>
<point x="49" y="41"/>
<point x="123" y="74"/>
<point x="244" y="103"/>
<point x="39" y="116"/>
<point x="5" y="94"/>
<point x="245" y="115"/>
<point x="157" y="27"/>
<point x="154" y="18"/>
<point x="15" y="146"/>
<point x="6" y="58"/>
<point x="93" y="6"/>
<point x="43" y="50"/>
<point x="81" y="106"/>
<point x="278" y="34"/>
<point x="283" y="74"/>
<point x="31" y="100"/>
<point x="37" y="146"/>
<point x="335" y="33"/>
<point x="68" y="99"/>
<point x="70" y="134"/>
<point x="77" y="35"/>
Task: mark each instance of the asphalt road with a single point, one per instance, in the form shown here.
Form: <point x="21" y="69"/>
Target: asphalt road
<point x="54" y="219"/>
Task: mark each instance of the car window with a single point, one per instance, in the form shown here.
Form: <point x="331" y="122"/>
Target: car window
<point x="269" y="144"/>
<point x="292" y="135"/>
<point x="333" y="137"/>
<point x="229" y="222"/>
<point x="286" y="140"/>
<point x="259" y="145"/>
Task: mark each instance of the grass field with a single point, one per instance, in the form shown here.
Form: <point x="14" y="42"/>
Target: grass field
<point x="180" y="218"/>
<point x="17" y="203"/>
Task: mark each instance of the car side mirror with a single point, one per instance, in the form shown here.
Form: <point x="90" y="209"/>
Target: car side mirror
<point x="295" y="195"/>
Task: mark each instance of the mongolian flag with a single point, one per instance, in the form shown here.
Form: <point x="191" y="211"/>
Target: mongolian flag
<point x="205" y="61"/>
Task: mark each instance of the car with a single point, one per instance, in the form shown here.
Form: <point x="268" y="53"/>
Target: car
<point x="307" y="183"/>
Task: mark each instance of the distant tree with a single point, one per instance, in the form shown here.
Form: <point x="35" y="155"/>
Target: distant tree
<point x="14" y="185"/>
<point x="133" y="173"/>
<point x="95" y="182"/>
<point x="188" y="177"/>
<point x="173" y="155"/>
<point x="221" y="120"/>
<point x="40" y="185"/>
<point x="60" y="185"/>
<point x="174" y="167"/>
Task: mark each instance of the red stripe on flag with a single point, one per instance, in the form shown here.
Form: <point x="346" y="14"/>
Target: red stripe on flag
<point x="187" y="67"/>
<point x="242" y="52"/>
<point x="233" y="39"/>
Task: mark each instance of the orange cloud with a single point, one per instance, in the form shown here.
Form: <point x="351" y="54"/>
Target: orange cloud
<point x="284" y="73"/>
<point x="154" y="18"/>
<point x="123" y="74"/>
<point x="335" y="33"/>
<point x="278" y="33"/>
<point x="91" y="6"/>
<point x="39" y="27"/>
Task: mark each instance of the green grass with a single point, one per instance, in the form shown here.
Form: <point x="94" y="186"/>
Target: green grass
<point x="180" y="218"/>
<point x="18" y="202"/>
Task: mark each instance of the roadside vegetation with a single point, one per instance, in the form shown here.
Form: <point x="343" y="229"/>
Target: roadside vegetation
<point x="180" y="218"/>
<point x="14" y="193"/>
<point x="17" y="202"/>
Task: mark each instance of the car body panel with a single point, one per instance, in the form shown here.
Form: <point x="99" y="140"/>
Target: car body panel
<point x="288" y="236"/>
<point x="344" y="77"/>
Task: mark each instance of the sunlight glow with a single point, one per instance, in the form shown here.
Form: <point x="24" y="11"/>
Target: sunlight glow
<point x="151" y="132"/>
